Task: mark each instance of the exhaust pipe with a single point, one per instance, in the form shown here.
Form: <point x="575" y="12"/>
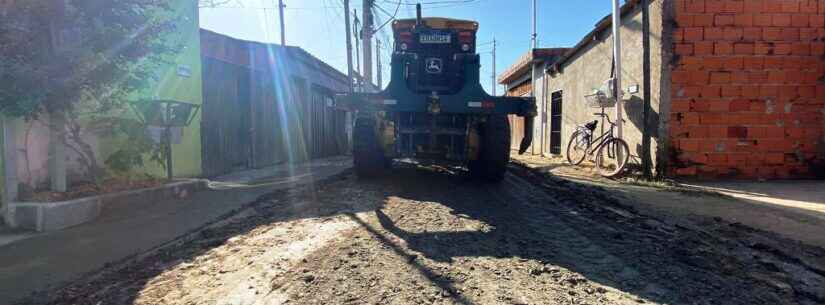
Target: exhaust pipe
<point x="418" y="14"/>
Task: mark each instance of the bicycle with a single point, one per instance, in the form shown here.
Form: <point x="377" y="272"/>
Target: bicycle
<point x="612" y="154"/>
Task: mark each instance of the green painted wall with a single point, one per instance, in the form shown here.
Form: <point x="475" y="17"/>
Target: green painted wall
<point x="172" y="85"/>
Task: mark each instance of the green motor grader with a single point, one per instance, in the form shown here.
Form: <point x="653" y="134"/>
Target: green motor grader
<point x="434" y="108"/>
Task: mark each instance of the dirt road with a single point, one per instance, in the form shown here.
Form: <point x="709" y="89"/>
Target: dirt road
<point x="425" y="236"/>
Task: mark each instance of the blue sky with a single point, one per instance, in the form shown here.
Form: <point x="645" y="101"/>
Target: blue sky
<point x="318" y="25"/>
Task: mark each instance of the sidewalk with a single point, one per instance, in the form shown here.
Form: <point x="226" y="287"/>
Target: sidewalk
<point x="35" y="262"/>
<point x="794" y="209"/>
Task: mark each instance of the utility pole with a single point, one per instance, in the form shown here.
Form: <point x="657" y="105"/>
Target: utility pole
<point x="534" y="40"/>
<point x="646" y="160"/>
<point x="617" y="54"/>
<point x="281" y="7"/>
<point x="366" y="33"/>
<point x="349" y="44"/>
<point x="357" y="43"/>
<point x="378" y="62"/>
<point x="494" y="66"/>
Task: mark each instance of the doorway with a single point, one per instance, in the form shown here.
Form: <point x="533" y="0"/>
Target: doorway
<point x="555" y="122"/>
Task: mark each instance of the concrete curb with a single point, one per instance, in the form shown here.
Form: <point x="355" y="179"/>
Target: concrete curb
<point x="52" y="216"/>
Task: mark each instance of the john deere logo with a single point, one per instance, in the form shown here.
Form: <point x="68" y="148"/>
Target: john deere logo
<point x="433" y="65"/>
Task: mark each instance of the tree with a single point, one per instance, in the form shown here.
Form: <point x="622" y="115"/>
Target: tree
<point x="60" y="56"/>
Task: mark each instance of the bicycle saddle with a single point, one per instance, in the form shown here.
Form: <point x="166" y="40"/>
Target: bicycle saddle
<point x="591" y="125"/>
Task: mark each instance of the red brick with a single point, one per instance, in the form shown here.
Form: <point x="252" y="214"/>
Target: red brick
<point x="771" y="34"/>
<point x="699" y="77"/>
<point x="774" y="132"/>
<point x="769" y="91"/>
<point x="686" y="171"/>
<point x="762" y="20"/>
<point x="758" y="77"/>
<point x="795" y="63"/>
<point x="733" y="63"/>
<point x="782" y="49"/>
<point x="743" y="20"/>
<point x="719" y="106"/>
<point x="703" y="20"/>
<point x="695" y="6"/>
<point x="724" y="20"/>
<point x="821" y="6"/>
<point x="713" y="63"/>
<point x="711" y="92"/>
<point x="817" y="21"/>
<point x="807" y="91"/>
<point x="790" y="6"/>
<point x="731" y="91"/>
<point x="820" y="92"/>
<point x="694" y="34"/>
<point x="781" y="20"/>
<point x="689" y="145"/>
<point x="690" y="62"/>
<point x="740" y="132"/>
<point x="740" y="105"/>
<point x="776" y="76"/>
<point x="734" y="34"/>
<point x="753" y="62"/>
<point x="734" y="6"/>
<point x="744" y="48"/>
<point x="757" y="132"/>
<point x="761" y="48"/>
<point x="684" y="49"/>
<point x="714" y="6"/>
<point x="739" y="77"/>
<point x="713" y="118"/>
<point x="720" y="77"/>
<point x="723" y="48"/>
<point x="714" y="34"/>
<point x="701" y="105"/>
<point x="684" y="20"/>
<point x="789" y="34"/>
<point x="788" y="92"/>
<point x="818" y="48"/>
<point x="799" y="20"/>
<point x="753" y="6"/>
<point x="773" y="62"/>
<point x="772" y="6"/>
<point x="808" y="6"/>
<point x="698" y="131"/>
<point x="703" y="48"/>
<point x="717" y="132"/>
<point x="774" y="158"/>
<point x="717" y="159"/>
<point x="802" y="49"/>
<point x="690" y="118"/>
<point x="678" y="35"/>
<point x="750" y="91"/>
<point x="680" y="105"/>
<point x="808" y="34"/>
<point x="751" y="34"/>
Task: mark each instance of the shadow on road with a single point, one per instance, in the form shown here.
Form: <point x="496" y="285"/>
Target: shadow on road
<point x="586" y="230"/>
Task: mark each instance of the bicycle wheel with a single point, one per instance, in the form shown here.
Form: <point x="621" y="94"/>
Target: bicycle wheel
<point x="577" y="148"/>
<point x="612" y="157"/>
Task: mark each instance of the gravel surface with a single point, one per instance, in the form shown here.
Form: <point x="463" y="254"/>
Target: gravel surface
<point x="430" y="236"/>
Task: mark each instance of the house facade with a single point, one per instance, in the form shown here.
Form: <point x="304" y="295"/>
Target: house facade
<point x="737" y="87"/>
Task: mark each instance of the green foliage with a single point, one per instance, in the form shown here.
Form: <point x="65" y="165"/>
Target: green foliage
<point x="53" y="57"/>
<point x="139" y="145"/>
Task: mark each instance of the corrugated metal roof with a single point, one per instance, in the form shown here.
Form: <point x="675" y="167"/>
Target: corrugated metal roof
<point x="273" y="57"/>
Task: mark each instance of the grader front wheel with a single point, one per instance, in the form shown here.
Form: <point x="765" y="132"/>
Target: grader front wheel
<point x="368" y="157"/>
<point x="494" y="152"/>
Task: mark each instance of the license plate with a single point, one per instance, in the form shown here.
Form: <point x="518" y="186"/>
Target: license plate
<point x="434" y="38"/>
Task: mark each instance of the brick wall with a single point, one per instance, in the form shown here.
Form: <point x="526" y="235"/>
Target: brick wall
<point x="748" y="88"/>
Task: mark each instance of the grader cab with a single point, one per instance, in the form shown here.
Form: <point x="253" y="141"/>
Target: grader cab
<point x="434" y="107"/>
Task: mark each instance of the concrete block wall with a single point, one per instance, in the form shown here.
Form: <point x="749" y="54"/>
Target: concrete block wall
<point x="748" y="88"/>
